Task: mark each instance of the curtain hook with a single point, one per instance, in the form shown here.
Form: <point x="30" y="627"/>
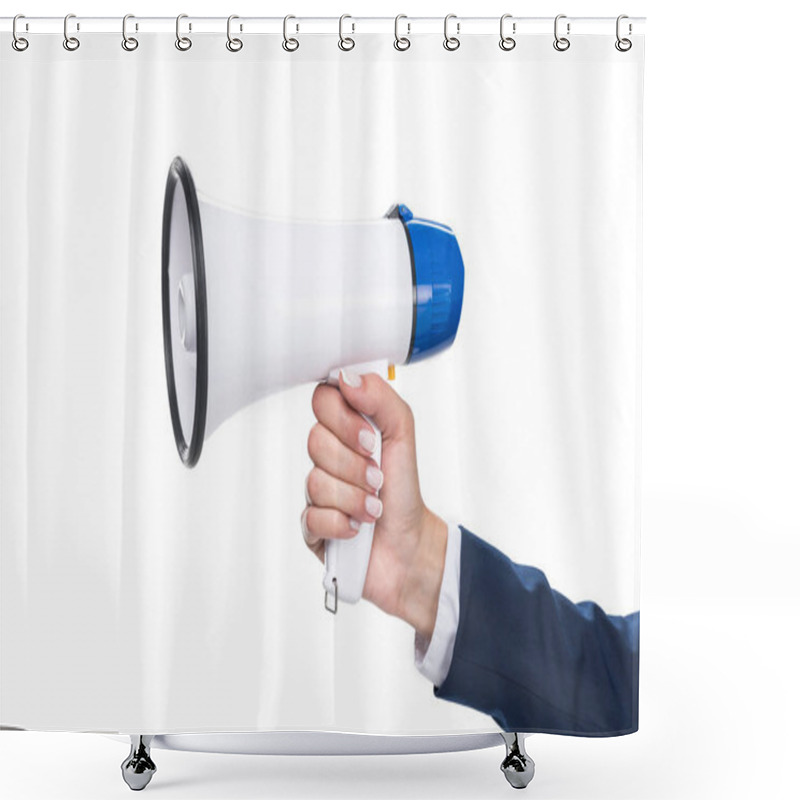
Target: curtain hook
<point x="129" y="43"/>
<point x="623" y="45"/>
<point x="401" y="42"/>
<point x="181" y="42"/>
<point x="346" y="42"/>
<point x="451" y="42"/>
<point x="561" y="43"/>
<point x="19" y="43"/>
<point x="506" y="42"/>
<point x="289" y="44"/>
<point x="233" y="44"/>
<point x="70" y="42"/>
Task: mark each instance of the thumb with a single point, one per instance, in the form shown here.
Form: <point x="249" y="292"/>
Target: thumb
<point x="371" y="395"/>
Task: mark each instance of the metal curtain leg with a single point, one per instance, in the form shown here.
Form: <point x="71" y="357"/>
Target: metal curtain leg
<point x="138" y="768"/>
<point x="517" y="766"/>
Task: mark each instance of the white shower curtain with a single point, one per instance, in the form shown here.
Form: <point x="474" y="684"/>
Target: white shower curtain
<point x="139" y="595"/>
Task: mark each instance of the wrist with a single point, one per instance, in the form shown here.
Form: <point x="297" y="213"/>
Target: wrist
<point x="424" y="580"/>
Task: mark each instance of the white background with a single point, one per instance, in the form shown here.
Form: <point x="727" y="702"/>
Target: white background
<point x="721" y="475"/>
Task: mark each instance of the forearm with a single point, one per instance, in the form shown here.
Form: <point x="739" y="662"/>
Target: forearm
<point x="532" y="659"/>
<point x="420" y="594"/>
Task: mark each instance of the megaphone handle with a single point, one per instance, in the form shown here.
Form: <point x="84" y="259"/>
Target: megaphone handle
<point x="347" y="560"/>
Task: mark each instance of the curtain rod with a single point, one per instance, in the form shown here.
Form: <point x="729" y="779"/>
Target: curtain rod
<point x="327" y="25"/>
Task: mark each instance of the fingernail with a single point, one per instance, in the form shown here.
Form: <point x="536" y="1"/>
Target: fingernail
<point x="374" y="506"/>
<point x="367" y="439"/>
<point x="354" y="524"/>
<point x="353" y="380"/>
<point x="374" y="477"/>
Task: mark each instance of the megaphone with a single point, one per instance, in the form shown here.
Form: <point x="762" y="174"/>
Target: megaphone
<point x="253" y="305"/>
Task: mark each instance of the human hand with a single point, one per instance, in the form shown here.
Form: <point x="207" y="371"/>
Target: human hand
<point x="405" y="569"/>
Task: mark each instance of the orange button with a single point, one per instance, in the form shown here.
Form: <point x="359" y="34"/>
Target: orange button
<point x="391" y="372"/>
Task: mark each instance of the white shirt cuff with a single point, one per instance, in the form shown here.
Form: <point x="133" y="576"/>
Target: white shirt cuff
<point x="433" y="656"/>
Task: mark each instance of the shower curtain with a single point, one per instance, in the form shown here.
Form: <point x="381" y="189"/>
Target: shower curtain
<point x="456" y="227"/>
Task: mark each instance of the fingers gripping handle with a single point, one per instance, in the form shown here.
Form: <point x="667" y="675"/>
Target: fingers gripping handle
<point x="347" y="560"/>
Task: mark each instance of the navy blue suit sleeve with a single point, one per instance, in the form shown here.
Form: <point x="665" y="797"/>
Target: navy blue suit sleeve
<point x="535" y="661"/>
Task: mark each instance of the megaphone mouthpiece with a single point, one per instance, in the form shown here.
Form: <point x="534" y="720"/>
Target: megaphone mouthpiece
<point x="438" y="283"/>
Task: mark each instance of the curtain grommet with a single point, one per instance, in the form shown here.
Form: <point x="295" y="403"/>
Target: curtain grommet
<point x="561" y="43"/>
<point x="233" y="44"/>
<point x="129" y="43"/>
<point x="623" y="44"/>
<point x="183" y="43"/>
<point x="19" y="43"/>
<point x="71" y="43"/>
<point x="289" y="44"/>
<point x="346" y="43"/>
<point x="507" y="42"/>
<point x="451" y="43"/>
<point x="401" y="43"/>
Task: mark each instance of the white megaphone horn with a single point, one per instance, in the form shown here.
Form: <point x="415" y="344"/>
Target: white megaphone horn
<point x="253" y="305"/>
